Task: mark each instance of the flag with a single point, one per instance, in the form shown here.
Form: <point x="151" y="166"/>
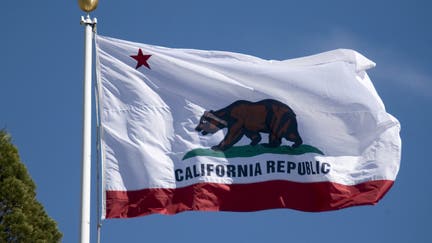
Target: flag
<point x="186" y="129"/>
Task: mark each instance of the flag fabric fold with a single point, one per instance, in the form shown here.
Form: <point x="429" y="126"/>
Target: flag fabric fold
<point x="185" y="129"/>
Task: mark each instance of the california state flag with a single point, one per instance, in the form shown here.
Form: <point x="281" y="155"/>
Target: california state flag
<point x="185" y="129"/>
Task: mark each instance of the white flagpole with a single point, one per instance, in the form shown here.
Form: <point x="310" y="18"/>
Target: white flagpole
<point x="86" y="130"/>
<point x="87" y="6"/>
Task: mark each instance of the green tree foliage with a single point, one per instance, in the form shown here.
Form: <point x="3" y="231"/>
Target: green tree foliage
<point x="22" y="217"/>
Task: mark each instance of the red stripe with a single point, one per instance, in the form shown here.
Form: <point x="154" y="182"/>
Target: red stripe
<point x="313" y="197"/>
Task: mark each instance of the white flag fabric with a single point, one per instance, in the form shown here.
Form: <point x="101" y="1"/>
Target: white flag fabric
<point x="185" y="129"/>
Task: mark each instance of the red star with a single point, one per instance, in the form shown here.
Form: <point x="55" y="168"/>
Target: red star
<point x="141" y="59"/>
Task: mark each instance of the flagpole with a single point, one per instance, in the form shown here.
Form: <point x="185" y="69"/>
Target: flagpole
<point x="87" y="6"/>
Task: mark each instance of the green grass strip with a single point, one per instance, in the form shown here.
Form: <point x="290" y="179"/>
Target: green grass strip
<point x="250" y="151"/>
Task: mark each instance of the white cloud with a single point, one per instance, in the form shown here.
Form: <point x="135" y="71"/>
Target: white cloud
<point x="393" y="67"/>
<point x="403" y="76"/>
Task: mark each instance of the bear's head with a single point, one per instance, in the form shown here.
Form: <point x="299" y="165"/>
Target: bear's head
<point x="210" y="123"/>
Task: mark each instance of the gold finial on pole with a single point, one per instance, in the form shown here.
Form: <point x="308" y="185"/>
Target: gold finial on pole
<point x="88" y="5"/>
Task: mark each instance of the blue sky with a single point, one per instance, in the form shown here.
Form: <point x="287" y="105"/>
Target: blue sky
<point x="41" y="104"/>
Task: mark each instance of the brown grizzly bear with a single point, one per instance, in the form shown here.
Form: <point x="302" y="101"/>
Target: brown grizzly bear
<point x="250" y="118"/>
